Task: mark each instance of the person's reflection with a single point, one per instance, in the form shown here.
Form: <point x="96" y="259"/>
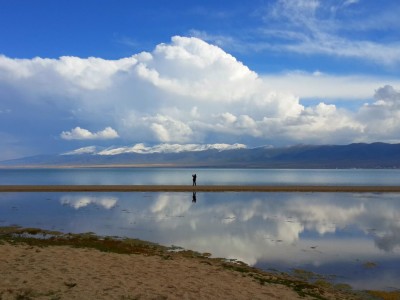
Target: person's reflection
<point x="194" y="197"/>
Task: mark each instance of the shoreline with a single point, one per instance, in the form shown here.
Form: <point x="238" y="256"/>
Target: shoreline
<point x="203" y="188"/>
<point x="86" y="266"/>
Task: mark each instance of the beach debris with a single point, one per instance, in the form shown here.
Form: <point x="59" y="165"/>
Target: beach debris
<point x="70" y="284"/>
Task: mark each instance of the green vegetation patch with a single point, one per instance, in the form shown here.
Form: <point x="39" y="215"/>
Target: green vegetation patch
<point x="43" y="238"/>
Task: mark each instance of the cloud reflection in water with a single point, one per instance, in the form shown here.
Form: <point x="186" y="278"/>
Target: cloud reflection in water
<point x="254" y="226"/>
<point x="78" y="202"/>
<point x="323" y="232"/>
<point x="285" y="229"/>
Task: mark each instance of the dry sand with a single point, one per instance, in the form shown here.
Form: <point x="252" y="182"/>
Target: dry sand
<point x="64" y="272"/>
<point x="199" y="188"/>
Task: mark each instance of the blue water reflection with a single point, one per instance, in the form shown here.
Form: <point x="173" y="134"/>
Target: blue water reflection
<point x="180" y="176"/>
<point x="353" y="236"/>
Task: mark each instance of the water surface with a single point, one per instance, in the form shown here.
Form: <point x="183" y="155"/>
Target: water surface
<point x="355" y="237"/>
<point x="181" y="176"/>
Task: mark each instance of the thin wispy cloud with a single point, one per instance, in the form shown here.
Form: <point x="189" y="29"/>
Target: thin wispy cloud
<point x="313" y="27"/>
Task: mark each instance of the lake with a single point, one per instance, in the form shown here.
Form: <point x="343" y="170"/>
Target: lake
<point x="179" y="176"/>
<point x="352" y="238"/>
<point x="355" y="237"/>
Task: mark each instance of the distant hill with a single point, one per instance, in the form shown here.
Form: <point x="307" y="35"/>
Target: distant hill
<point x="375" y="155"/>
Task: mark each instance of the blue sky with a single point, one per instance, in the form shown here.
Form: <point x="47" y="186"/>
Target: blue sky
<point x="75" y="74"/>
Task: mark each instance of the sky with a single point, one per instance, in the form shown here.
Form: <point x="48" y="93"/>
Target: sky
<point x="76" y="74"/>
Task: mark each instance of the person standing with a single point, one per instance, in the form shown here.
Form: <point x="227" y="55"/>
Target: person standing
<point x="194" y="176"/>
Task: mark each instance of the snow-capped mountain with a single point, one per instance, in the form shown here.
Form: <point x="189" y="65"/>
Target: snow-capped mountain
<point x="375" y="155"/>
<point x="161" y="148"/>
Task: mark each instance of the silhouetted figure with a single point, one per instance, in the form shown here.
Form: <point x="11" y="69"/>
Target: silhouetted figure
<point x="194" y="197"/>
<point x="194" y="179"/>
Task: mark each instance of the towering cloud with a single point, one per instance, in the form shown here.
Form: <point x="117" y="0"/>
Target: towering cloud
<point x="186" y="91"/>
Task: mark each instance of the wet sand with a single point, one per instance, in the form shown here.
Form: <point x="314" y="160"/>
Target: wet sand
<point x="199" y="188"/>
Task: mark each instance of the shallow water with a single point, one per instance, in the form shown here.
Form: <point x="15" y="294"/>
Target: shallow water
<point x="355" y="237"/>
<point x="179" y="176"/>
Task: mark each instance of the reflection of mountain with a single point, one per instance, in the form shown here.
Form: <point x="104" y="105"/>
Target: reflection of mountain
<point x="376" y="155"/>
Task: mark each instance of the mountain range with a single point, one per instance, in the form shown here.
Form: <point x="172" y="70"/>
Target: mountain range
<point x="359" y="155"/>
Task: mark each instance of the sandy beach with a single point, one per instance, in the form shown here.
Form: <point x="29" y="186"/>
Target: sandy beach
<point x="75" y="268"/>
<point x="199" y="188"/>
<point x="71" y="273"/>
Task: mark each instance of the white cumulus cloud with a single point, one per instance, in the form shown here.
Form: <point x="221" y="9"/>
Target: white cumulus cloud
<point x="188" y="91"/>
<point x="381" y="118"/>
<point x="83" y="134"/>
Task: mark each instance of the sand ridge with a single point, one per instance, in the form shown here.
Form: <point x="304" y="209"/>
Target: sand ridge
<point x="199" y="188"/>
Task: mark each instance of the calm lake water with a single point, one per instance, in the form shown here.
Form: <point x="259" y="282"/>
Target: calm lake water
<point x="354" y="237"/>
<point x="178" y="176"/>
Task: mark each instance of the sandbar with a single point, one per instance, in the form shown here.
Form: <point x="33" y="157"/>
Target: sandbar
<point x="199" y="188"/>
